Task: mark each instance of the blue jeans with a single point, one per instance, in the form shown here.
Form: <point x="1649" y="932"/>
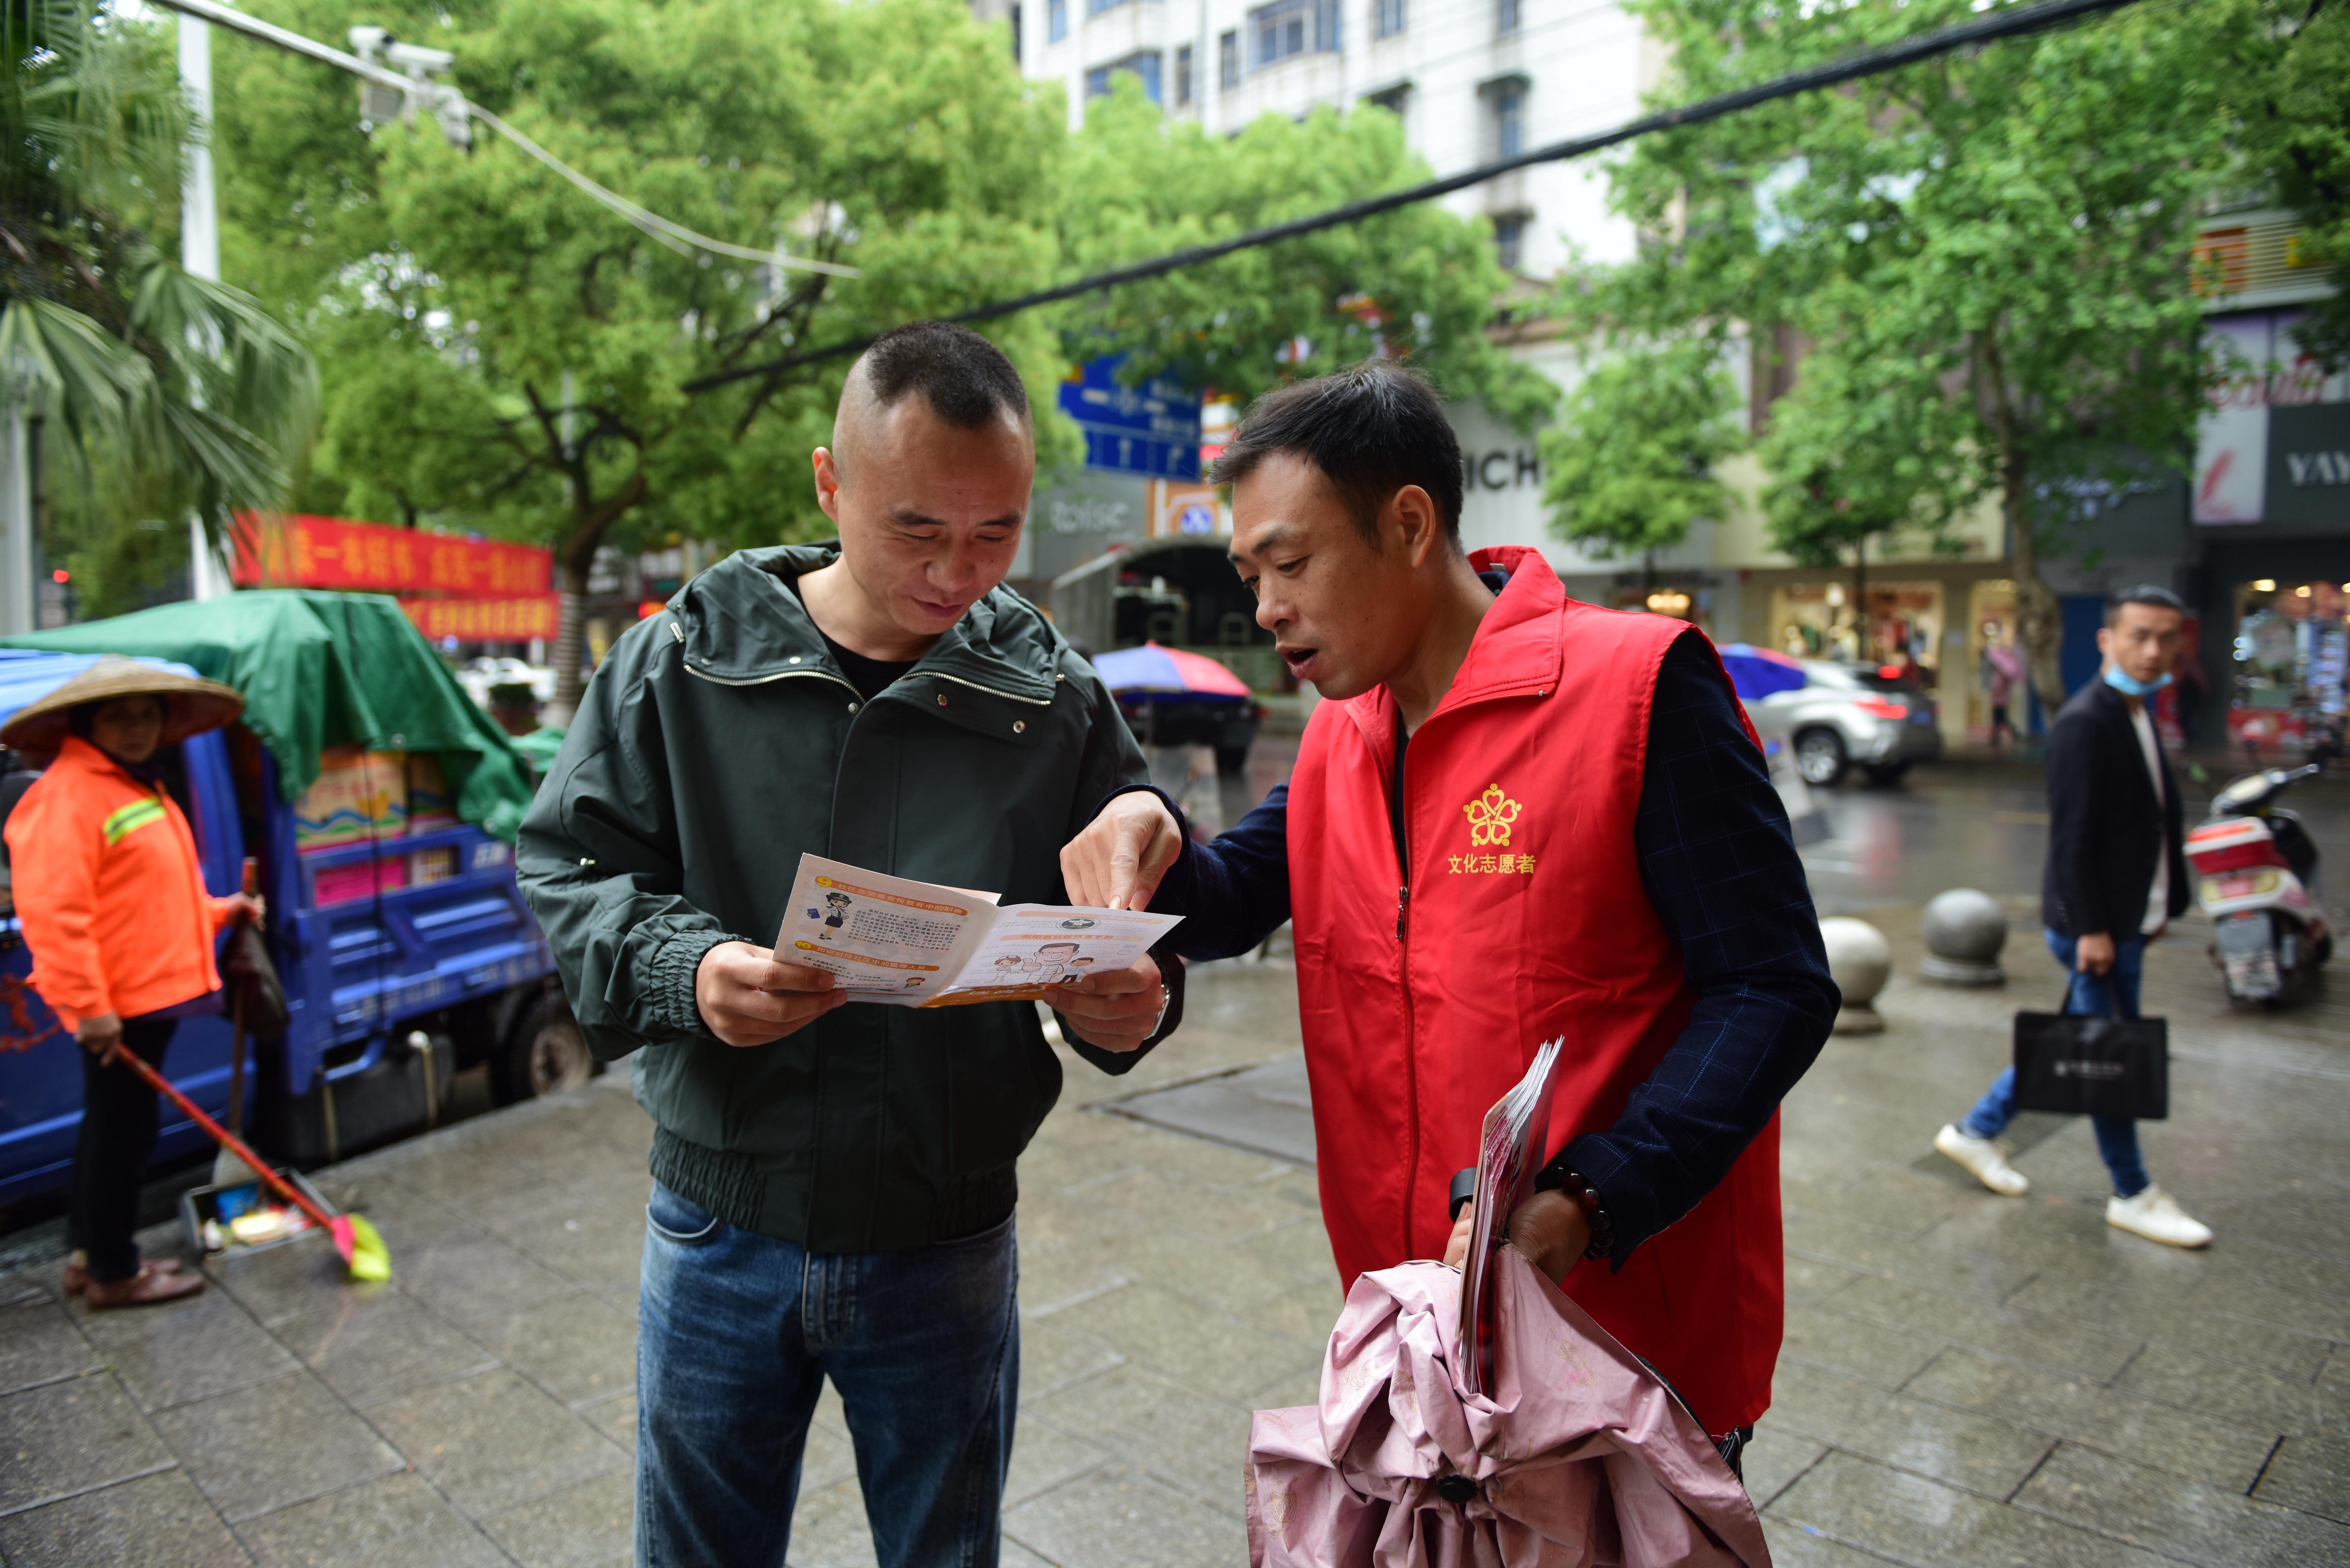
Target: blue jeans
<point x="2113" y="992"/>
<point x="736" y="1333"/>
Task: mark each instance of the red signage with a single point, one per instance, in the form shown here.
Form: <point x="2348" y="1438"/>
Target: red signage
<point x="484" y="620"/>
<point x="281" y="550"/>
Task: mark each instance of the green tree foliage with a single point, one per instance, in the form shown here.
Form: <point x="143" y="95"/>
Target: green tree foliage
<point x="1992" y="246"/>
<point x="1420" y="284"/>
<point x="1632" y="460"/>
<point x="2297" y="134"/>
<point x="501" y="348"/>
<point x="159" y="394"/>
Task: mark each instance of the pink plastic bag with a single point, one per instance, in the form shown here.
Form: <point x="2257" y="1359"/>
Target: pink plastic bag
<point x="1579" y="1457"/>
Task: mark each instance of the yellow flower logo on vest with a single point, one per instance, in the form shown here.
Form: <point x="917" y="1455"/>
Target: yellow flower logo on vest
<point x="1490" y="815"/>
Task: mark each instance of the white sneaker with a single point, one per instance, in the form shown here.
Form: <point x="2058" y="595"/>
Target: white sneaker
<point x="1984" y="1160"/>
<point x="2153" y="1215"/>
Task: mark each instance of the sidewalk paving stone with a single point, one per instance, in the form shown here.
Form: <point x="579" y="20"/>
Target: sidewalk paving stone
<point x="72" y="1436"/>
<point x="494" y="1441"/>
<point x="590" y="1525"/>
<point x="396" y="1519"/>
<point x="1910" y="1520"/>
<point x="2180" y="1518"/>
<point x="38" y="1344"/>
<point x="2311" y="1474"/>
<point x="155" y="1521"/>
<point x="194" y="1348"/>
<point x="277" y="1443"/>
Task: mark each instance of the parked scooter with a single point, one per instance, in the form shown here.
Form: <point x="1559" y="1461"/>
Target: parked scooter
<point x="2256" y="874"/>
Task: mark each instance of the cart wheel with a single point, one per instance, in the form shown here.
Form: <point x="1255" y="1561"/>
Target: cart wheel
<point x="544" y="1054"/>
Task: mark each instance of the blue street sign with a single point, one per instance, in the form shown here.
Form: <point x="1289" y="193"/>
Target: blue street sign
<point x="1152" y="429"/>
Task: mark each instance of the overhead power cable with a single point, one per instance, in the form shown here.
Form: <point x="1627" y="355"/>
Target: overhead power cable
<point x="677" y="236"/>
<point x="2009" y="23"/>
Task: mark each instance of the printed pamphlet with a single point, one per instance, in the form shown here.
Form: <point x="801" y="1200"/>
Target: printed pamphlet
<point x="921" y="944"/>
<point x="1508" y="1159"/>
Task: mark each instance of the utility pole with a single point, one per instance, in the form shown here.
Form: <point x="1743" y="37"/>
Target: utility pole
<point x="208" y="577"/>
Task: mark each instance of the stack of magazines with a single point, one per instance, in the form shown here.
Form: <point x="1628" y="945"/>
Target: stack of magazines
<point x="1509" y="1153"/>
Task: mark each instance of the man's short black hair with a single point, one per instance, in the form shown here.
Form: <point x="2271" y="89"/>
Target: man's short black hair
<point x="965" y="378"/>
<point x="1371" y="429"/>
<point x="2143" y="594"/>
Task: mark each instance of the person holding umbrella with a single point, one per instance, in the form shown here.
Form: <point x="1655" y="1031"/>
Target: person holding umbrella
<point x="113" y="907"/>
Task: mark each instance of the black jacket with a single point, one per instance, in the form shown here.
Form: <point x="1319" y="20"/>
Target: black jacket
<point x="717" y="742"/>
<point x="2105" y="825"/>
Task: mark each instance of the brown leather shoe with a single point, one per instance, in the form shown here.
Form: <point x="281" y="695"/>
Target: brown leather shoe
<point x="148" y="1286"/>
<point x="78" y="1271"/>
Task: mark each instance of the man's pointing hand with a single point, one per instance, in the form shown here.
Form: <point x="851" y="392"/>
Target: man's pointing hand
<point x="1117" y="861"/>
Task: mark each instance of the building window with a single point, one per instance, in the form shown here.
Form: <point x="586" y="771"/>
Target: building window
<point x="1183" y="75"/>
<point x="1096" y="7"/>
<point x="1506" y="17"/>
<point x="1392" y="99"/>
<point x="1144" y="65"/>
<point x="1508" y="99"/>
<point x="1015" y="34"/>
<point x="1386" y="18"/>
<point x="1057" y="20"/>
<point x="1291" y="27"/>
<point x="1228" y="61"/>
<point x="1509" y="239"/>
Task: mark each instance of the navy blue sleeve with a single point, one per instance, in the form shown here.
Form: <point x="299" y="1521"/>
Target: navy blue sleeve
<point x="1233" y="893"/>
<point x="1720" y="865"/>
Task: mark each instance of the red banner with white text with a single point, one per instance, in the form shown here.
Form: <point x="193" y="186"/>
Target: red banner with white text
<point x="292" y="550"/>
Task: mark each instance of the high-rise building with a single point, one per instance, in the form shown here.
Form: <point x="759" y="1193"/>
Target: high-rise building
<point x="1472" y="79"/>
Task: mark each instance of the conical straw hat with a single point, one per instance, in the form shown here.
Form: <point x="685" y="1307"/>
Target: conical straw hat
<point x="191" y="706"/>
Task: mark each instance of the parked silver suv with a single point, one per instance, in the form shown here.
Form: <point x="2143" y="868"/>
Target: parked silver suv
<point x="1852" y="715"/>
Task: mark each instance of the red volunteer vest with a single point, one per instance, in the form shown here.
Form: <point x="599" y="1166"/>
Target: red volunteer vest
<point x="1525" y="921"/>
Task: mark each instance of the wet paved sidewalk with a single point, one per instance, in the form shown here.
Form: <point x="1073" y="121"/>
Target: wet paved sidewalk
<point x="1967" y="1379"/>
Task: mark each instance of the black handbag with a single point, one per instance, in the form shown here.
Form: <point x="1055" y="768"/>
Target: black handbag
<point x="2093" y="1064"/>
<point x="256" y="997"/>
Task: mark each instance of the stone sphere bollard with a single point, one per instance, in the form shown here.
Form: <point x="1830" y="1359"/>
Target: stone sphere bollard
<point x="1964" y="932"/>
<point x="1860" y="962"/>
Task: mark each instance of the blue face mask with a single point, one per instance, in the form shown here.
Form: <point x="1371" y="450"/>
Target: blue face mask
<point x="2130" y="686"/>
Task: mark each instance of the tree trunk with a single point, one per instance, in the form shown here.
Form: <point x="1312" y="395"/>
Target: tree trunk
<point x="570" y="636"/>
<point x="2039" y="620"/>
<point x="1860" y="627"/>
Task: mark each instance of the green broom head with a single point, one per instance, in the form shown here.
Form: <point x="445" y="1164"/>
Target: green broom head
<point x="363" y="1251"/>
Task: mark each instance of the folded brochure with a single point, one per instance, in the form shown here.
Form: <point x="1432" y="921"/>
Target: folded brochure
<point x="1509" y="1156"/>
<point x="921" y="944"/>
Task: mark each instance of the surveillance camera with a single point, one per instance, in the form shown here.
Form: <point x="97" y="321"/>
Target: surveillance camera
<point x="417" y="60"/>
<point x="368" y="42"/>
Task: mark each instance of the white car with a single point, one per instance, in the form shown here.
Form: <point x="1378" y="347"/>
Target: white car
<point x="479" y="675"/>
<point x="1844" y="716"/>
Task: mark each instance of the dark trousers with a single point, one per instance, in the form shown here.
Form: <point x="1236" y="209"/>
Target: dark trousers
<point x="117" y="1134"/>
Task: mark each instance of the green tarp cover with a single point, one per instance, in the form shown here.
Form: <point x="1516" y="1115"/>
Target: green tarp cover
<point x="321" y="669"/>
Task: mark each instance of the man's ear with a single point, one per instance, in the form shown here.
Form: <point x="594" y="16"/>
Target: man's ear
<point x="828" y="482"/>
<point x="1418" y="522"/>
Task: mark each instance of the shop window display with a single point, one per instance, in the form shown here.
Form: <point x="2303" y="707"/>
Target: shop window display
<point x="1903" y="624"/>
<point x="2293" y="643"/>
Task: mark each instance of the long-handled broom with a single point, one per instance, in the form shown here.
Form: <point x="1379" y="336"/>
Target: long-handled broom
<point x="362" y="1250"/>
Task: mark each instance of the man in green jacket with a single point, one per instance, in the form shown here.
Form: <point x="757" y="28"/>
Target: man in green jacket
<point x="833" y="1186"/>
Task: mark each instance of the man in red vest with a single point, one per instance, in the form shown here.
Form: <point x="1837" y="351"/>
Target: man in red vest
<point x="1513" y="817"/>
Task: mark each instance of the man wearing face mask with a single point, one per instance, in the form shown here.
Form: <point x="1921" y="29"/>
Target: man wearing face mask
<point x="2117" y="876"/>
<point x="834" y="1185"/>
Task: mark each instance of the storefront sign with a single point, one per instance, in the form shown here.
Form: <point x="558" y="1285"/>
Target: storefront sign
<point x="2241" y="475"/>
<point x="296" y="551"/>
<point x="1152" y="429"/>
<point x="484" y="620"/>
<point x="2309" y="465"/>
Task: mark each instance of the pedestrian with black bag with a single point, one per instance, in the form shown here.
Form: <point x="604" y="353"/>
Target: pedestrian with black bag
<point x="2117" y="876"/>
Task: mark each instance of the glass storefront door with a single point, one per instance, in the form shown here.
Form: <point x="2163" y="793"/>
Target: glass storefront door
<point x="2293" y="641"/>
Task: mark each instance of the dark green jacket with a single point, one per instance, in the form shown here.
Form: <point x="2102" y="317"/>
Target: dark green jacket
<point x="715" y="744"/>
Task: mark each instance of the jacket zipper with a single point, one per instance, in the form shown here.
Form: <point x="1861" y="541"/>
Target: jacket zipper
<point x="836" y="681"/>
<point x="1403" y="985"/>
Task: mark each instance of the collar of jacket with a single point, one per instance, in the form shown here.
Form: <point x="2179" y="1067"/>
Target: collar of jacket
<point x="738" y="623"/>
<point x="1517" y="650"/>
<point x="78" y="755"/>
